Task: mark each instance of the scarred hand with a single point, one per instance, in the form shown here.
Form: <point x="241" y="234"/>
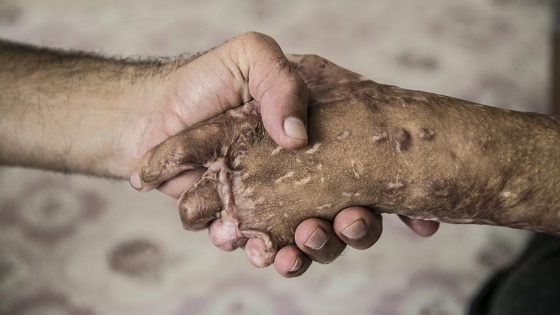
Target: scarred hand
<point x="260" y="196"/>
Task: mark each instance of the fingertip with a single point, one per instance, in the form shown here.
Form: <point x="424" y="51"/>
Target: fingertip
<point x="135" y="181"/>
<point x="285" y="120"/>
<point x="290" y="262"/>
<point x="283" y="97"/>
<point x="257" y="253"/>
<point x="224" y="236"/>
<point x="295" y="133"/>
<point x="358" y="227"/>
<point x="316" y="239"/>
<point x="295" y="128"/>
<point x="427" y="228"/>
<point x="422" y="228"/>
<point x="290" y="134"/>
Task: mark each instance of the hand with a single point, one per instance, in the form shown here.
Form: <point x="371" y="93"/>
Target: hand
<point x="77" y="112"/>
<point x="254" y="65"/>
<point x="208" y="139"/>
<point x="355" y="226"/>
<point x="80" y="113"/>
<point x="249" y="67"/>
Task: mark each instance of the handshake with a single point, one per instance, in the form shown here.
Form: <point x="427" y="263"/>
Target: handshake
<point x="251" y="174"/>
<point x="289" y="157"/>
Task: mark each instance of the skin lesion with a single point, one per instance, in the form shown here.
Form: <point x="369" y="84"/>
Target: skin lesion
<point x="517" y="190"/>
<point x="423" y="159"/>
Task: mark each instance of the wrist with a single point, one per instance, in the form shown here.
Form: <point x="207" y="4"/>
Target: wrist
<point x="140" y="107"/>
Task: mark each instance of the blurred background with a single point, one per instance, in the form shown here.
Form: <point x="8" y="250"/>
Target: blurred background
<point x="86" y="246"/>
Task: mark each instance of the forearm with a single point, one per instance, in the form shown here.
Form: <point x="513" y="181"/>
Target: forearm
<point x="67" y="111"/>
<point x="435" y="157"/>
<point x="393" y="150"/>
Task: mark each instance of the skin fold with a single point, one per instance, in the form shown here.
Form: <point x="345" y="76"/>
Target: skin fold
<point x="392" y="150"/>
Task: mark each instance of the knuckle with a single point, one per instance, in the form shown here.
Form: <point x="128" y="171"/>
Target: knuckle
<point x="253" y="37"/>
<point x="149" y="175"/>
<point x="193" y="219"/>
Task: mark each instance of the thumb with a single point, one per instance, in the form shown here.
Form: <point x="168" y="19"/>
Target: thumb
<point x="276" y="85"/>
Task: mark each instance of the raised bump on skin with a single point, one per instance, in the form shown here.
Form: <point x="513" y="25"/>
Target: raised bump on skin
<point x="303" y="181"/>
<point x="440" y="188"/>
<point x="286" y="176"/>
<point x="325" y="206"/>
<point x="314" y="149"/>
<point x="395" y="185"/>
<point x="236" y="162"/>
<point x="381" y="137"/>
<point x="402" y="139"/>
<point x="343" y="135"/>
<point x="516" y="191"/>
<point x="320" y="170"/>
<point x="506" y="194"/>
<point x="426" y="134"/>
<point x="276" y="151"/>
<point x="357" y="168"/>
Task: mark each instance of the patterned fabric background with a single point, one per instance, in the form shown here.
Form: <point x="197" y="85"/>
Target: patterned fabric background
<point x="82" y="246"/>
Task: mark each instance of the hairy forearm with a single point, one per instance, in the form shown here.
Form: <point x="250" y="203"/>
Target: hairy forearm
<point x="67" y="111"/>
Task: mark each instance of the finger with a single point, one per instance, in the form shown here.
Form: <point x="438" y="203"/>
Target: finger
<point x="224" y="235"/>
<point x="421" y="227"/>
<point x="186" y="150"/>
<point x="276" y="85"/>
<point x="291" y="262"/>
<point x="317" y="240"/>
<point x="258" y="254"/>
<point x="177" y="185"/>
<point x="358" y="227"/>
<point x="201" y="204"/>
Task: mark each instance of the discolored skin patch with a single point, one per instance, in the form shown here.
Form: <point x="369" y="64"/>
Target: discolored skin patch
<point x="441" y="188"/>
<point x="370" y="145"/>
<point x="402" y="139"/>
<point x="426" y="134"/>
<point x="381" y="137"/>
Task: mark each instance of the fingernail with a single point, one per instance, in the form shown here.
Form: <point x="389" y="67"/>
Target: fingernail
<point x="355" y="230"/>
<point x="317" y="240"/>
<point x="297" y="265"/>
<point x="135" y="181"/>
<point x="294" y="128"/>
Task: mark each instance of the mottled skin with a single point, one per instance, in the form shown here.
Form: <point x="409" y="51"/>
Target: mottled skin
<point x="393" y="150"/>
